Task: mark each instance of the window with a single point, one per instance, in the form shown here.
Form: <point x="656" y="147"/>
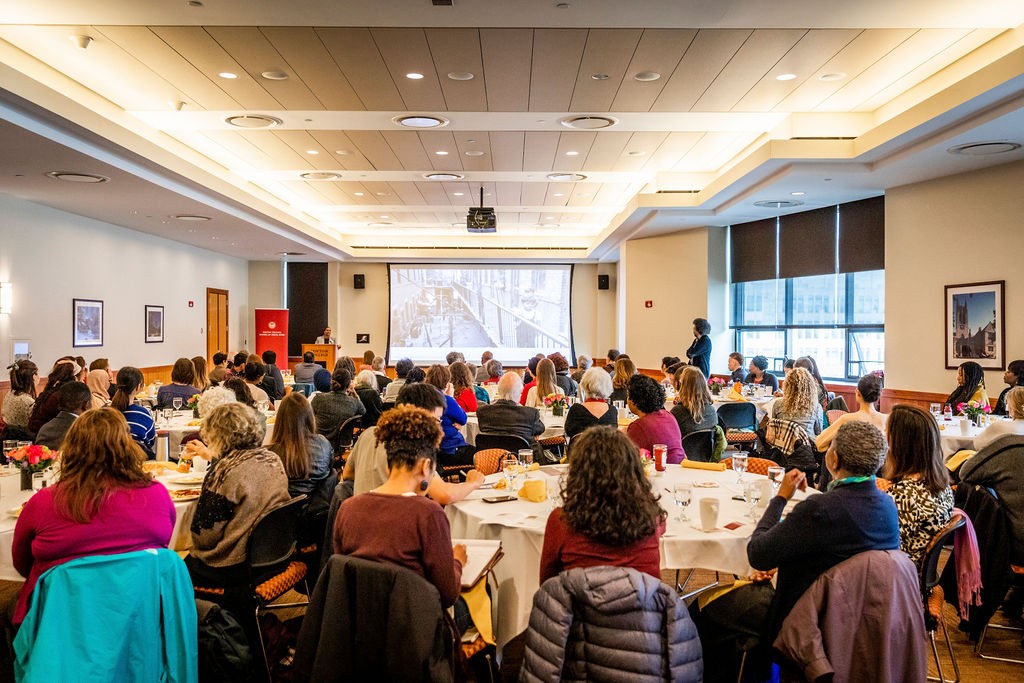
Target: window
<point x="838" y="319"/>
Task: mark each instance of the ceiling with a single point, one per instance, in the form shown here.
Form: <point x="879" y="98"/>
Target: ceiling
<point x="872" y="96"/>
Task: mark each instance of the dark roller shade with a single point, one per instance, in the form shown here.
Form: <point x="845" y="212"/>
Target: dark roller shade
<point x="752" y="251"/>
<point x="862" y="235"/>
<point x="307" y="304"/>
<point x="807" y="243"/>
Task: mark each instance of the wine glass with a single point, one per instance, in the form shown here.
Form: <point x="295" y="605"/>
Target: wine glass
<point x="176" y="402"/>
<point x="739" y="463"/>
<point x="510" y="468"/>
<point x="752" y="494"/>
<point x="775" y="475"/>
<point x="264" y="406"/>
<point x="168" y="414"/>
<point x="681" y="493"/>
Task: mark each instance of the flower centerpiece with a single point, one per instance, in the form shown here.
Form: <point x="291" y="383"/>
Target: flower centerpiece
<point x="557" y="404"/>
<point x="31" y="459"/>
<point x="716" y="384"/>
<point x="973" y="410"/>
<point x="193" y="404"/>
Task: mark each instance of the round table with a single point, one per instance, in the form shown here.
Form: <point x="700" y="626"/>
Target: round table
<point x="519" y="525"/>
<point x="762" y="406"/>
<point x="953" y="439"/>
<point x="553" y="426"/>
<point x="184" y="423"/>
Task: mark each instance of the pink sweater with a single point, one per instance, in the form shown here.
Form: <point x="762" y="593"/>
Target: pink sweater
<point x="128" y="520"/>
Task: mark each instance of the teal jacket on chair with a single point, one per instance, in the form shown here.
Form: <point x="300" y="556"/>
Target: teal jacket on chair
<point x="128" y="617"/>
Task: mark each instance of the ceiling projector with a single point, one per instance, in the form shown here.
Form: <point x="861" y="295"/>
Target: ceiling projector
<point x="481" y="219"/>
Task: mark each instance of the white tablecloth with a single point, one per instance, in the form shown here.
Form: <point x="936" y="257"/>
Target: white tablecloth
<point x="182" y="425"/>
<point x="519" y="525"/>
<point x="953" y="439"/>
<point x="553" y="426"/>
<point x="12" y="497"/>
<point x="761" y="405"/>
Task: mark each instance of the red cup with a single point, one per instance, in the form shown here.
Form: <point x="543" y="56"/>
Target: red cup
<point x="660" y="451"/>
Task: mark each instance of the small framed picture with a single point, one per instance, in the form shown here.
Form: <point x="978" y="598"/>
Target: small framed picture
<point x="87" y="323"/>
<point x="975" y="327"/>
<point x="154" y="324"/>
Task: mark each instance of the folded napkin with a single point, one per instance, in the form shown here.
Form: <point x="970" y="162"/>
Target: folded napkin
<point x="534" y="490"/>
<point x="736" y="396"/>
<point x="695" y="465"/>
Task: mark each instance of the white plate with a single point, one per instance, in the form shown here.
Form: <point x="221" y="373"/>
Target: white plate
<point x="192" y="478"/>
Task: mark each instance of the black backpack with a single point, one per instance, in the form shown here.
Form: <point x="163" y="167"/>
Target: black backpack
<point x="224" y="653"/>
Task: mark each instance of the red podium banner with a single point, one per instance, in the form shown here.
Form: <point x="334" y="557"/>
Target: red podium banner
<point x="272" y="333"/>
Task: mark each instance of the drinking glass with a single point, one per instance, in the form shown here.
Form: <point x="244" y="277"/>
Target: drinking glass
<point x="619" y="405"/>
<point x="176" y="402"/>
<point x="526" y="456"/>
<point x="510" y="468"/>
<point x="264" y="406"/>
<point x="682" y="493"/>
<point x="936" y="410"/>
<point x="739" y="463"/>
<point x="37" y="481"/>
<point x="775" y="475"/>
<point x="8" y="447"/>
<point x="752" y="494"/>
<point x="947" y="413"/>
<point x="167" y="414"/>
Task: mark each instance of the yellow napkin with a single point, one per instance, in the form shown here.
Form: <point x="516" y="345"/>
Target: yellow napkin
<point x="534" y="490"/>
<point x="959" y="458"/>
<point x="533" y="467"/>
<point x="736" y="396"/>
<point x="479" y="605"/>
<point x="694" y="465"/>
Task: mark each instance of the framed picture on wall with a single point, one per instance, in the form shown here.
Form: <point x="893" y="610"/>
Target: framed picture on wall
<point x="154" y="324"/>
<point x="87" y="322"/>
<point x="975" y="327"/>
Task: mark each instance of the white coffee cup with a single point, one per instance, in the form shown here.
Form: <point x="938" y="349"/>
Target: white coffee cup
<point x="200" y="464"/>
<point x="708" y="514"/>
<point x="965" y="427"/>
<point x="766" y="493"/>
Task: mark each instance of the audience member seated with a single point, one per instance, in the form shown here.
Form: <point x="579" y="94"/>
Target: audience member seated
<point x="202" y="378"/>
<point x="377" y="365"/>
<point x="306" y="455"/>
<point x="245" y="480"/>
<point x="505" y="415"/>
<point x="481" y="373"/>
<point x="646" y="398"/>
<point x="920" y="480"/>
<point x="1000" y="467"/>
<point x="699" y="352"/>
<point x="612" y="355"/>
<point x="529" y="378"/>
<point x="337" y="405"/>
<point x="595" y="386"/>
<point x="799" y="403"/>
<point x="810" y="365"/>
<point x="140" y="420"/>
<point x="736" y="371"/>
<point x="482" y="395"/>
<point x="544" y="385"/>
<point x="242" y="392"/>
<point x="103" y="504"/>
<point x="869" y="389"/>
<point x="1014" y="377"/>
<point x="367" y="363"/>
<point x="462" y="386"/>
<point x="599" y="523"/>
<point x="46" y="405"/>
<point x="273" y="381"/>
<point x="367" y="463"/>
<point x="669" y="365"/>
<point x="303" y="372"/>
<point x="418" y="535"/>
<point x="568" y="384"/>
<point x="18" y="403"/>
<point x="624" y="371"/>
<point x="825" y="529"/>
<point x="416" y="375"/>
<point x="970" y="381"/>
<point x="402" y="369"/>
<point x="366" y="390"/>
<point x="218" y="373"/>
<point x="346" y="363"/>
<point x="321" y="380"/>
<point x="74" y="399"/>
<point x="453" y="449"/>
<point x="454" y="357"/>
<point x="759" y="374"/>
<point x="494" y="371"/>
<point x="1014" y="400"/>
<point x="182" y="377"/>
<point x="693" y="409"/>
<point x="99" y="387"/>
<point x="255" y="372"/>
<point x="583" y="364"/>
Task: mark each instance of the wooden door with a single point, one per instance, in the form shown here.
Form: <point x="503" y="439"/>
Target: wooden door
<point x="217" y="312"/>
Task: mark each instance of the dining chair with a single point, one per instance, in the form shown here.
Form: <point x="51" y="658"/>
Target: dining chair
<point x="507" y="442"/>
<point x="754" y="465"/>
<point x="488" y="461"/>
<point x="833" y="415"/>
<point x="932" y="595"/>
<point x="700" y="445"/>
<point x="738" y="421"/>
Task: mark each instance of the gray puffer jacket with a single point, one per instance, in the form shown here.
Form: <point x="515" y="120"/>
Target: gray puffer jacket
<point x="611" y="624"/>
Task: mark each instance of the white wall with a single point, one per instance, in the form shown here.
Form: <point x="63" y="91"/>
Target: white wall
<point x="954" y="230"/>
<point x="52" y="257"/>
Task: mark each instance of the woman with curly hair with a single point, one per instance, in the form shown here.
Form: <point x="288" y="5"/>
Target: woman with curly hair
<point x="624" y="370"/>
<point x="568" y="384"/>
<point x="610" y="515"/>
<point x="655" y="424"/>
<point x="800" y="402"/>
<point x="970" y="381"/>
<point x="545" y="386"/>
<point x="103" y="503"/>
<point x="418" y="535"/>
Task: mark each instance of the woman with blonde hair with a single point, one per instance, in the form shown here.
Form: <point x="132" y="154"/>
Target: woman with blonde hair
<point x="306" y="455"/>
<point x="799" y="403"/>
<point x="546" y="385"/>
<point x="624" y="370"/>
<point x="693" y="409"/>
<point x="202" y="378"/>
<point x="103" y="503"/>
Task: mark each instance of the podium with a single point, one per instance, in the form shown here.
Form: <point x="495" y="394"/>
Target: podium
<point x="325" y="354"/>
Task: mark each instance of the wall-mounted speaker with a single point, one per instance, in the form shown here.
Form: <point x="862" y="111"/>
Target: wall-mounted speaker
<point x="358" y="281"/>
<point x="602" y="282"/>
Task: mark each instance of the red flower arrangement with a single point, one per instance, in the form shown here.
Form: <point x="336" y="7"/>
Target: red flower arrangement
<point x="33" y="458"/>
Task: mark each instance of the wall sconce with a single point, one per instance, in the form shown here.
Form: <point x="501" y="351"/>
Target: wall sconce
<point x="6" y="297"/>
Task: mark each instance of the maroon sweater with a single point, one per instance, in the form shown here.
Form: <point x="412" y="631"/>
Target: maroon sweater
<point x="408" y="531"/>
<point x="658" y="427"/>
<point x="567" y="549"/>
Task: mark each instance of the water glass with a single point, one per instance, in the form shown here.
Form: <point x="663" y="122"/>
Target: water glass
<point x="8" y="447"/>
<point x="682" y="494"/>
<point x="775" y="475"/>
<point x="167" y="415"/>
<point x="619" y="405"/>
<point x="739" y="463"/>
<point x="936" y="410"/>
<point x="38" y="481"/>
<point x="177" y="402"/>
<point x="526" y="456"/>
<point x="752" y="494"/>
<point x="264" y="406"/>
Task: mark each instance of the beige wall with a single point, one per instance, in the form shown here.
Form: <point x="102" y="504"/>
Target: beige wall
<point x="955" y="230"/>
<point x="264" y="290"/>
<point x="594" y="310"/>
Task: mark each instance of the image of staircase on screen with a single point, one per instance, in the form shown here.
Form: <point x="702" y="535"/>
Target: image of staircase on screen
<point x="514" y="311"/>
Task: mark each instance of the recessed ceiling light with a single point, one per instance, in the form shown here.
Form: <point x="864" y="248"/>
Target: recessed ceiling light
<point x="798" y="194"/>
<point x="549" y="218"/>
<point x="836" y="76"/>
<point x="559" y="194"/>
<point x="588" y="122"/>
<point x="189" y="217"/>
<point x="460" y="76"/>
<point x="441" y="153"/>
<point x="599" y="77"/>
<point x="646" y="76"/>
<point x="414" y="76"/>
<point x="71" y="177"/>
<point x="474" y="153"/>
<point x="566" y="177"/>
<point x="443" y="176"/>
<point x="359" y="194"/>
<point x="253" y="121"/>
<point x="458" y="194"/>
<point x="978" y="149"/>
<point x="385" y="216"/>
<point x="343" y="152"/>
<point x="383" y="194"/>
<point x="320" y="175"/>
<point x="572" y="154"/>
<point x="777" y="204"/>
<point x="563" y="5"/>
<point x="421" y="121"/>
<point x="228" y="75"/>
<point x="275" y="75"/>
<point x="81" y="42"/>
<point x="314" y="152"/>
<point x="785" y="77"/>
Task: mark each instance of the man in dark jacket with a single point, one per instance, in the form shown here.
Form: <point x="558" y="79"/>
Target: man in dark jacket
<point x="506" y="416"/>
<point x="74" y="398"/>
